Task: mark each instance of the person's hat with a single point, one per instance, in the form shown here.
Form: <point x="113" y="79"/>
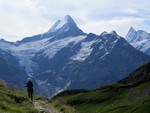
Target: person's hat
<point x="29" y="79"/>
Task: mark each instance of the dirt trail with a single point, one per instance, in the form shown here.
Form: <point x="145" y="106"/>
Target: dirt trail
<point x="44" y="107"/>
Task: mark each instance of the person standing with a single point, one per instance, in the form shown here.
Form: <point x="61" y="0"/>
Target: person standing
<point x="30" y="89"/>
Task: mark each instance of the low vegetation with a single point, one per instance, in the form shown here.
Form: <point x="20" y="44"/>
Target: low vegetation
<point x="113" y="98"/>
<point x="14" y="101"/>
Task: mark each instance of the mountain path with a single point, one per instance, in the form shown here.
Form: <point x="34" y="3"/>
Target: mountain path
<point x="44" y="107"/>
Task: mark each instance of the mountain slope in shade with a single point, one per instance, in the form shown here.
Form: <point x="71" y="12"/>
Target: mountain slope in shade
<point x="111" y="59"/>
<point x="128" y="96"/>
<point x="139" y="39"/>
<point x="140" y="75"/>
<point x="88" y="63"/>
<point x="11" y="71"/>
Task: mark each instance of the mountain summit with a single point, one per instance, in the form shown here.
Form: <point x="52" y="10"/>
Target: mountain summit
<point x="64" y="23"/>
<point x="139" y="39"/>
<point x="134" y="36"/>
<point x="65" y="28"/>
<point x="61" y="29"/>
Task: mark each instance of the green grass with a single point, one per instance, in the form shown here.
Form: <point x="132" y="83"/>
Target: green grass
<point x="62" y="107"/>
<point x="14" y="101"/>
<point x="113" y="98"/>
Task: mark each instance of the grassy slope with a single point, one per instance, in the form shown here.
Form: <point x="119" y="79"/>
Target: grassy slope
<point x="114" y="98"/>
<point x="14" y="101"/>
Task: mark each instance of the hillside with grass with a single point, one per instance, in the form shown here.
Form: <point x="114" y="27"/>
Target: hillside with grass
<point x="130" y="95"/>
<point x="14" y="101"/>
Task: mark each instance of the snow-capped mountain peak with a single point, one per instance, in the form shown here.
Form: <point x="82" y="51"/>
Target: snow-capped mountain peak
<point x="113" y="33"/>
<point x="61" y="29"/>
<point x="139" y="39"/>
<point x="68" y="19"/>
<point x="134" y="36"/>
<point x="132" y="29"/>
<point x="104" y="33"/>
<point x="66" y="22"/>
<point x="65" y="28"/>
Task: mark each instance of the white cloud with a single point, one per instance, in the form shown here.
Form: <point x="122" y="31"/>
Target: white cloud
<point x="121" y="25"/>
<point x="131" y="11"/>
<point x="21" y="18"/>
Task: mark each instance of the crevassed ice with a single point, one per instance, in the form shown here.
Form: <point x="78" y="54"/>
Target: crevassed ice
<point x="84" y="52"/>
<point x="142" y="45"/>
<point x="25" y="52"/>
<point x="52" y="48"/>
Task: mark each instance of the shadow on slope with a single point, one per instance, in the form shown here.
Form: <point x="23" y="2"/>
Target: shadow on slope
<point x="130" y="95"/>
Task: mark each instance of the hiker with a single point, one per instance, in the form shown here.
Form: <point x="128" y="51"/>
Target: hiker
<point x="30" y="88"/>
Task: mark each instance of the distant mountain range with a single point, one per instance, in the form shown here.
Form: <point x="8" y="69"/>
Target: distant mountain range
<point x="65" y="57"/>
<point x="139" y="39"/>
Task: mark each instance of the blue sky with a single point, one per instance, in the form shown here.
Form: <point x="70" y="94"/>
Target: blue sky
<point x="22" y="18"/>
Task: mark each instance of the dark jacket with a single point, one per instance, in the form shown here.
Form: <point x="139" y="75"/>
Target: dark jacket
<point x="30" y="85"/>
